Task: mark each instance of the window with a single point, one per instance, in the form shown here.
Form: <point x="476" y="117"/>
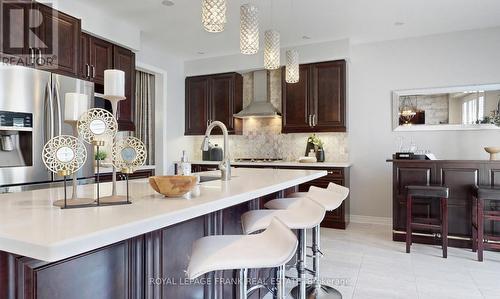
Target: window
<point x="473" y="109"/>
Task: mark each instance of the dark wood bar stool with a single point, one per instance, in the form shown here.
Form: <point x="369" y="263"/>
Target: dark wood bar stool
<point x="480" y="240"/>
<point x="435" y="224"/>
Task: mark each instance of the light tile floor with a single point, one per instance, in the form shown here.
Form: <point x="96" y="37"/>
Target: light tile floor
<point x="374" y="266"/>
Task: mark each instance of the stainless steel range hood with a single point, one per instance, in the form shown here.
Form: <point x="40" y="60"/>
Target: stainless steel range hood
<point x="260" y="105"/>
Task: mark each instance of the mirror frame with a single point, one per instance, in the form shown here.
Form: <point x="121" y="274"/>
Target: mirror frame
<point x="396" y="94"/>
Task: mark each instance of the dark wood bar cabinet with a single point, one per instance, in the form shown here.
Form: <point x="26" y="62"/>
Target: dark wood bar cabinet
<point x="459" y="176"/>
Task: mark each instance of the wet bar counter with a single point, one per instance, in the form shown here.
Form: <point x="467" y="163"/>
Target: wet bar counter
<point x="459" y="176"/>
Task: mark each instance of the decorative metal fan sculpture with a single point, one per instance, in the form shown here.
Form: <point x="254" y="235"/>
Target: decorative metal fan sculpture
<point x="128" y="154"/>
<point x="64" y="155"/>
<point x="97" y="125"/>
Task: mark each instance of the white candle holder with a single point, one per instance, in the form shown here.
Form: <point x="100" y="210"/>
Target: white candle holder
<point x="75" y="104"/>
<point x="114" y="92"/>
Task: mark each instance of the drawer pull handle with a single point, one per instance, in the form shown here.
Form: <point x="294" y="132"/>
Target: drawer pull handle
<point x="330" y="172"/>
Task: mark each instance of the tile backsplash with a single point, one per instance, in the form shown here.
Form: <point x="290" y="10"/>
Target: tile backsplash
<point x="262" y="137"/>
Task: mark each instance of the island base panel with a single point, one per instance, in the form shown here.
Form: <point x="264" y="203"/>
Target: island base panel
<point x="151" y="265"/>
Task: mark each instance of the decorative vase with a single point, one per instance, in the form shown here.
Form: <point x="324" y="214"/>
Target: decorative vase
<point x="320" y="155"/>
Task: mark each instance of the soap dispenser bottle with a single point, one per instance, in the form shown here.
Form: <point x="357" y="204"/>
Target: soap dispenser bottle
<point x="185" y="166"/>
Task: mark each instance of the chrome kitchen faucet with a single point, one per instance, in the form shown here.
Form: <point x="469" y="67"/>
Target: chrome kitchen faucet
<point x="225" y="165"/>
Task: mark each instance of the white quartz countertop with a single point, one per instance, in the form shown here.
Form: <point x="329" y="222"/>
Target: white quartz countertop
<point x="108" y="169"/>
<point x="278" y="163"/>
<point x="31" y="226"/>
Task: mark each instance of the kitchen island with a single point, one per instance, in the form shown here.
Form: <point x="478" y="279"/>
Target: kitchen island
<point x="131" y="251"/>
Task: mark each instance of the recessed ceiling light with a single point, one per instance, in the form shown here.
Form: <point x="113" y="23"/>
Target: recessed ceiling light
<point x="399" y="23"/>
<point x="168" y="2"/>
<point x="306" y="37"/>
<point x="200" y="52"/>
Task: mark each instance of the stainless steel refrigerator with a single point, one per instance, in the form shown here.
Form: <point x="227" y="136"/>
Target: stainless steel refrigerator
<point x="32" y="112"/>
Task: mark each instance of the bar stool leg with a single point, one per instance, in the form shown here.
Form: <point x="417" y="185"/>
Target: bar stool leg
<point x="243" y="283"/>
<point x="480" y="229"/>
<point x="474" y="224"/>
<point x="316" y="290"/>
<point x="299" y="292"/>
<point x="444" y="226"/>
<point x="281" y="283"/>
<point x="408" y="223"/>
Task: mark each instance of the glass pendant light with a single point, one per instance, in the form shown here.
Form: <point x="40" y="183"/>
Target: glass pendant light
<point x="292" y="66"/>
<point x="272" y="50"/>
<point x="213" y="15"/>
<point x="249" y="29"/>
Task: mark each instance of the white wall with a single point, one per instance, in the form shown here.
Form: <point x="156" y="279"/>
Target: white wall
<point x="239" y="62"/>
<point x="376" y="69"/>
<point x="171" y="123"/>
<point x="101" y="24"/>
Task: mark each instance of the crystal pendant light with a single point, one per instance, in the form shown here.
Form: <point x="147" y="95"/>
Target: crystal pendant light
<point x="213" y="15"/>
<point x="272" y="50"/>
<point x="292" y="66"/>
<point x="249" y="29"/>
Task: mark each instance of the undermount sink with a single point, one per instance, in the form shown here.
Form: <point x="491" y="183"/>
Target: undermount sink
<point x="206" y="178"/>
<point x="209" y="178"/>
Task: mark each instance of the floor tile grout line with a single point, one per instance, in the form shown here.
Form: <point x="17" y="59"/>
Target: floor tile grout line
<point x="357" y="276"/>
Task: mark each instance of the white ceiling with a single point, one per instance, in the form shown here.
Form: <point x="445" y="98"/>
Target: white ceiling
<point x="178" y="28"/>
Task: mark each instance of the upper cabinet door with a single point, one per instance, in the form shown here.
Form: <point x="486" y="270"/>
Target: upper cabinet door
<point x="329" y="96"/>
<point x="197" y="110"/>
<point x="124" y="60"/>
<point x="84" y="65"/>
<point x="225" y="100"/>
<point x="57" y="41"/>
<point x="101" y="58"/>
<point x="296" y="114"/>
<point x="15" y="30"/>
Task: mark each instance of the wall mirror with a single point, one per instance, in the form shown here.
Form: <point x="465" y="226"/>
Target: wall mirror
<point x="473" y="107"/>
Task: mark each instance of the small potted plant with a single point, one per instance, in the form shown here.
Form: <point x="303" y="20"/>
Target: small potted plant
<point x="315" y="143"/>
<point x="100" y="156"/>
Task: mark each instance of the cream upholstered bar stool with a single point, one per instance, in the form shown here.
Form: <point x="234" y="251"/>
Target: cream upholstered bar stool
<point x="330" y="198"/>
<point x="302" y="215"/>
<point x="272" y="248"/>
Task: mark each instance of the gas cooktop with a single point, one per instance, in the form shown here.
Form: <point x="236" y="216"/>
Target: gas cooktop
<point x="258" y="160"/>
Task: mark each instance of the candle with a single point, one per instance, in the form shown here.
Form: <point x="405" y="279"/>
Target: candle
<point x="75" y="104"/>
<point x="114" y="84"/>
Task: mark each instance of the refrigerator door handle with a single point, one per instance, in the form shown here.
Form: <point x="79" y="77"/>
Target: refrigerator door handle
<point x="57" y="99"/>
<point x="48" y="118"/>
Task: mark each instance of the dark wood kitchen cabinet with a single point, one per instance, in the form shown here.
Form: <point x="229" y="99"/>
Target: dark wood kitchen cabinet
<point x="52" y="45"/>
<point x="96" y="56"/>
<point x="15" y="30"/>
<point x="124" y="59"/>
<point x="210" y="98"/>
<point x="317" y="103"/>
<point x="58" y="39"/>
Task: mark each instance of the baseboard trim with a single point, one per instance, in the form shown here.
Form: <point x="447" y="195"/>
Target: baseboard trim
<point x="371" y="219"/>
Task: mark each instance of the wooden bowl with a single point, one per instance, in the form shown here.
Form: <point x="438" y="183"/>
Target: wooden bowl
<point x="493" y="151"/>
<point x="173" y="185"/>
